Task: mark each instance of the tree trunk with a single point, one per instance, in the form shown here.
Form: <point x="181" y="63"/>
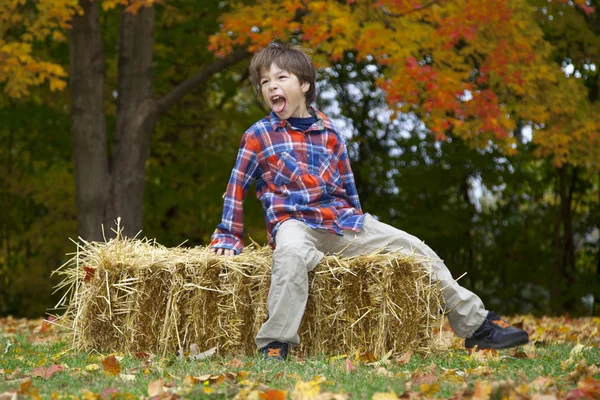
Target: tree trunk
<point x="88" y="122"/>
<point x="104" y="194"/>
<point x="563" y="271"/>
<point x="135" y="119"/>
<point x="555" y="283"/>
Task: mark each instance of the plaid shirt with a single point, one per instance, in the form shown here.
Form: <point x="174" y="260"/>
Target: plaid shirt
<point x="300" y="175"/>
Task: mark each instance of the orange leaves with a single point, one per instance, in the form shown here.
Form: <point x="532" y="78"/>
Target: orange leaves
<point x="111" y="366"/>
<point x="473" y="68"/>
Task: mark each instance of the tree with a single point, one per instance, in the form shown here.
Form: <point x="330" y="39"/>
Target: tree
<point x="475" y="70"/>
<point x="112" y="185"/>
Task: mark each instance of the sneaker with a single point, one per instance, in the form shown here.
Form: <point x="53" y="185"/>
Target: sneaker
<point x="495" y="333"/>
<point x="276" y="351"/>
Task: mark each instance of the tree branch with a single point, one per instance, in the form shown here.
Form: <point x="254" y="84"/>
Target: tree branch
<point x="168" y="100"/>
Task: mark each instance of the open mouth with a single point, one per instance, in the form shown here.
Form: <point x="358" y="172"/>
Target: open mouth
<point x="279" y="103"/>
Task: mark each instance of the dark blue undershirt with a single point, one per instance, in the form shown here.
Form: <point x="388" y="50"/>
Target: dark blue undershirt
<point x="302" y="123"/>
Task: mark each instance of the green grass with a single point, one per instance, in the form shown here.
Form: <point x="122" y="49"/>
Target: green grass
<point x="453" y="370"/>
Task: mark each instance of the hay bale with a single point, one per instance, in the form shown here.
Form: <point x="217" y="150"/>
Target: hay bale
<point x="130" y="295"/>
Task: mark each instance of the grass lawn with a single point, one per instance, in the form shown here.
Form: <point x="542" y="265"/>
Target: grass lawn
<point x="562" y="361"/>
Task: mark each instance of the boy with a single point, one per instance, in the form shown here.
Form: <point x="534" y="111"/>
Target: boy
<point x="307" y="189"/>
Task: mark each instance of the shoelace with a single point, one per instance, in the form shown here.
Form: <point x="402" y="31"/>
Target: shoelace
<point x="274" y="352"/>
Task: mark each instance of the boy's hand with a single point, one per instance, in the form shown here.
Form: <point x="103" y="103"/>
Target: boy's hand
<point x="223" y="252"/>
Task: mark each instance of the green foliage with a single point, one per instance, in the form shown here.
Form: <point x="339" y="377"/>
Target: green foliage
<point x="36" y="188"/>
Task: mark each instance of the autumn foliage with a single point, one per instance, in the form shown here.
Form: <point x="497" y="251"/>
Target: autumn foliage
<point x="474" y="68"/>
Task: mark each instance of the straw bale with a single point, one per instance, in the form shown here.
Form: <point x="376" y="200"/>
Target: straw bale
<point x="130" y="295"/>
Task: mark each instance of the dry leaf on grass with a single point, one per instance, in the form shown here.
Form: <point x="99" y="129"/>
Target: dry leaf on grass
<point x="405" y="358"/>
<point x="385" y="396"/>
<point x="236" y="363"/>
<point x="155" y="388"/>
<point x="273" y="394"/>
<point x="349" y="366"/>
<point x="46" y="373"/>
<point x="111" y="366"/>
<point x="196" y="355"/>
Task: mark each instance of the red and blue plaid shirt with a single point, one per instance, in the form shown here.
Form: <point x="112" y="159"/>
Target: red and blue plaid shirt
<point x="300" y="175"/>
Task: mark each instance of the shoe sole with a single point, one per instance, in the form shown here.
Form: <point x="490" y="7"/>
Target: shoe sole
<point x="486" y="345"/>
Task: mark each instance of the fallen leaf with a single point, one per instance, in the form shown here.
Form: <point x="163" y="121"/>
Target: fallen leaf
<point x="576" y="394"/>
<point x="140" y="355"/>
<point x="305" y="390"/>
<point x="590" y="386"/>
<point x="538" y="396"/>
<point x="8" y="396"/>
<point x="242" y="375"/>
<point x="274" y="394"/>
<point x="580" y="371"/>
<point x="519" y="354"/>
<point x="111" y="366"/>
<point x="190" y="380"/>
<point x="28" y="389"/>
<point x="385" y="396"/>
<point x="542" y="383"/>
<point x="236" y="363"/>
<point x="14" y="375"/>
<point x="349" y="366"/>
<point x="365" y="357"/>
<point x="127" y="377"/>
<point x="482" y="391"/>
<point x="109" y="393"/>
<point x="54" y="368"/>
<point x="92" y="367"/>
<point x="155" y="388"/>
<point x="195" y="355"/>
<point x="424" y="379"/>
<point x="429" y="389"/>
<point x="384" y="372"/>
<point x="484" y="356"/>
<point x="405" y="358"/>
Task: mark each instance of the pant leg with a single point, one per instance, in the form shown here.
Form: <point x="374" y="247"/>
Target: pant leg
<point x="295" y="255"/>
<point x="466" y="310"/>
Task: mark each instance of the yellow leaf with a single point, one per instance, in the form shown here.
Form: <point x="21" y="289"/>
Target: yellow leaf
<point x="384" y="396"/>
<point x="305" y="390"/>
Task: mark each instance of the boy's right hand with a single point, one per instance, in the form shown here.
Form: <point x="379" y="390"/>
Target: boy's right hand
<point x="223" y="252"/>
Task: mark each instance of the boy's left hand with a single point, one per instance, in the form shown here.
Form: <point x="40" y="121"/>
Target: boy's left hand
<point x="223" y="252"/>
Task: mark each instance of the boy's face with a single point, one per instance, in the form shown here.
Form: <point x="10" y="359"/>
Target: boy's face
<point x="283" y="93"/>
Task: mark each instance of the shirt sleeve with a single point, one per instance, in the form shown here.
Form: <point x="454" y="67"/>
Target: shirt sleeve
<point x="348" y="178"/>
<point x="230" y="232"/>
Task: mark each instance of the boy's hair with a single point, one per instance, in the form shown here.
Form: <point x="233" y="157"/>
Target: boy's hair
<point x="289" y="58"/>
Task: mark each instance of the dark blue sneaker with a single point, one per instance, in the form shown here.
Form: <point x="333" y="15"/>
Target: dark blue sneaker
<point x="495" y="333"/>
<point x="276" y="351"/>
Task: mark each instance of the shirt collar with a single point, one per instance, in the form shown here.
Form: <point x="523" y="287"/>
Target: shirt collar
<point x="322" y="120"/>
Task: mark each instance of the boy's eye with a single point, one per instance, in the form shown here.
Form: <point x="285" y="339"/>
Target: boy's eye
<point x="282" y="76"/>
<point x="263" y="82"/>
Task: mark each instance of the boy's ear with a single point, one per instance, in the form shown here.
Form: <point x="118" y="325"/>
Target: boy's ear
<point x="305" y="86"/>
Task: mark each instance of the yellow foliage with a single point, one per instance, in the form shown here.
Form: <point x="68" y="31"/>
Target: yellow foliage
<point x="20" y="69"/>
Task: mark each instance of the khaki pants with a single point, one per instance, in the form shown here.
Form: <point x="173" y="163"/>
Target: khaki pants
<point x="300" y="248"/>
